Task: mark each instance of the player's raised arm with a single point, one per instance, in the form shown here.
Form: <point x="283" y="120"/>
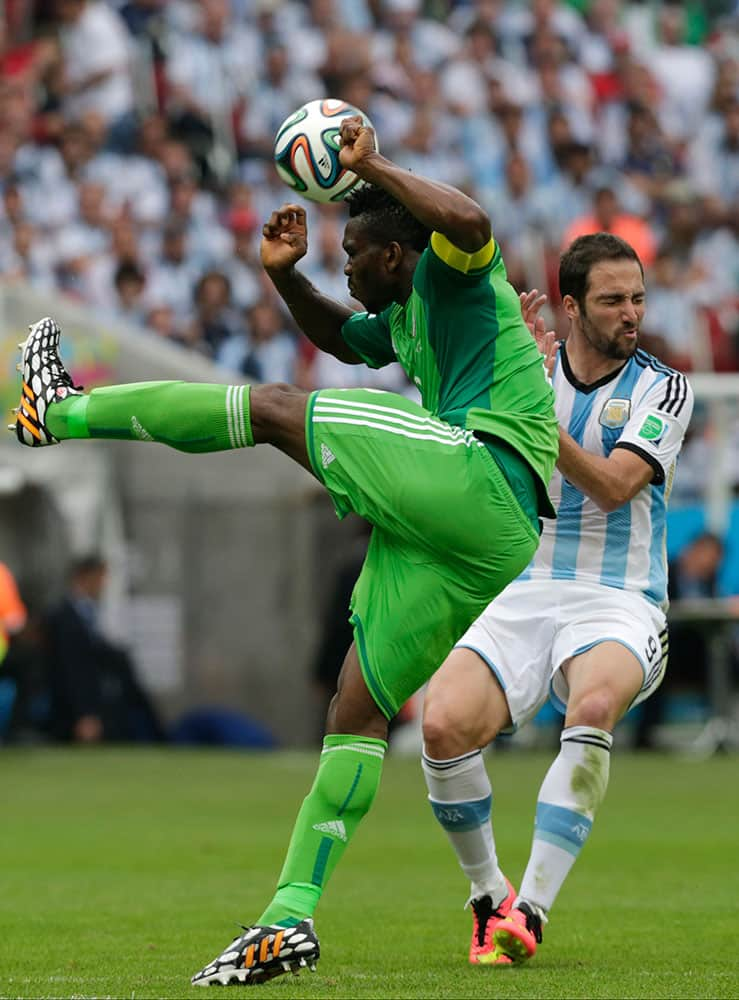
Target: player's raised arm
<point x="284" y="243"/>
<point x="439" y="207"/>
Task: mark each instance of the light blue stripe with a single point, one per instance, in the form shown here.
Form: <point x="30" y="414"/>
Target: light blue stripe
<point x="460" y="817"/>
<point x="616" y="549"/>
<point x="553" y="838"/>
<point x="618" y="522"/>
<point x="568" y="826"/>
<point x="657" y="587"/>
<point x="569" y="513"/>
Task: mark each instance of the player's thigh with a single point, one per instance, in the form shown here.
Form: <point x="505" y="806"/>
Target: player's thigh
<point x="465" y="707"/>
<point x="612" y="651"/>
<point x="603" y="682"/>
<point x="407" y="610"/>
<point x="417" y="477"/>
<point x="513" y="639"/>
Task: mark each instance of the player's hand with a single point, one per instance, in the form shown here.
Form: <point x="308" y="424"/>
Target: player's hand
<point x="284" y="238"/>
<point x="357" y="143"/>
<point x="88" y="729"/>
<point x="546" y="340"/>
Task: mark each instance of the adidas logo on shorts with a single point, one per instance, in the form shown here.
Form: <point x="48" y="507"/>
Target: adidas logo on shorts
<point x="327" y="456"/>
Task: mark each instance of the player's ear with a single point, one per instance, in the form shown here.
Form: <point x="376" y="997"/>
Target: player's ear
<point x="392" y="256"/>
<point x="570" y="306"/>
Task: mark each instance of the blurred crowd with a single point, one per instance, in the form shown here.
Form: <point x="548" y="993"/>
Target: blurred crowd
<point x="136" y="152"/>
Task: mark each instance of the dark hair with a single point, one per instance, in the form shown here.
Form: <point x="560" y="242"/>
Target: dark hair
<point x="583" y="254"/>
<point x="128" y="270"/>
<point x="386" y="219"/>
<point x="93" y="562"/>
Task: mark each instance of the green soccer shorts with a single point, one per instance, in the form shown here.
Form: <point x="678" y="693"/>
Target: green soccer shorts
<point x="448" y="533"/>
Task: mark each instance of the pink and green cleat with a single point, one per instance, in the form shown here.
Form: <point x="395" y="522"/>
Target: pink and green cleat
<point x="518" y="934"/>
<point x="485" y="918"/>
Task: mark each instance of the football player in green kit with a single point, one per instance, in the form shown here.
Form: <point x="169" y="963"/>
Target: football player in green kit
<point x="454" y="488"/>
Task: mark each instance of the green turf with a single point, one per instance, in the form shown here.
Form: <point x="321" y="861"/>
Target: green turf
<point x="125" y="871"/>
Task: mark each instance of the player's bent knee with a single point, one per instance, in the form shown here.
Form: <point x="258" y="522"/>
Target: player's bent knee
<point x="450" y="730"/>
<point x="600" y="709"/>
<point x="275" y="407"/>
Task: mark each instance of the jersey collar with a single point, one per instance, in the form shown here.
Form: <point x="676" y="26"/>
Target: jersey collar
<point x="585" y="386"/>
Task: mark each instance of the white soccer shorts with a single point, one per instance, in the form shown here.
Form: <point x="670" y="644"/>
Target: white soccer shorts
<point x="535" y="626"/>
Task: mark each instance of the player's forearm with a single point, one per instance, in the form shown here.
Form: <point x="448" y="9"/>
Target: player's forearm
<point x="438" y="206"/>
<point x="318" y="316"/>
<point x="592" y="475"/>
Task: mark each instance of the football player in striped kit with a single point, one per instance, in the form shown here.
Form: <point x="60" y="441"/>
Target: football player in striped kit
<point x="584" y="624"/>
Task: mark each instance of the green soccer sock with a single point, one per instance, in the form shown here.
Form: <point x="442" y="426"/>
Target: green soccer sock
<point x="194" y="417"/>
<point x="345" y="786"/>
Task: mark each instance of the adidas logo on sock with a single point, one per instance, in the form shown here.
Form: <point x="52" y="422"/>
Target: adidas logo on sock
<point x="140" y="431"/>
<point x="334" y="828"/>
<point x="327" y="456"/>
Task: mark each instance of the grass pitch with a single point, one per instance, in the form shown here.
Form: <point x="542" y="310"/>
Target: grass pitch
<point x="125" y="871"/>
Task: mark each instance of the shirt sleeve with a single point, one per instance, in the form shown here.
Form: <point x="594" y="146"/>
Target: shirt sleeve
<point x="657" y="426"/>
<point x="12" y="609"/>
<point x="444" y="264"/>
<point x="368" y="335"/>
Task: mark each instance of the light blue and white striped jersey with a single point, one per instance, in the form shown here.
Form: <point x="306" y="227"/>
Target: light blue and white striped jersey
<point x="644" y="407"/>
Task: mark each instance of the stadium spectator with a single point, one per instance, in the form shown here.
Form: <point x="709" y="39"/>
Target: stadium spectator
<point x="97" y="70"/>
<point x="266" y="350"/>
<point x="173" y="274"/>
<point x="685" y="74"/>
<point x="672" y="318"/>
<point x="130" y="283"/>
<point x="13" y="617"/>
<point x="216" y="321"/>
<point x="608" y="217"/>
<point x="209" y="70"/>
<point x="95" y="694"/>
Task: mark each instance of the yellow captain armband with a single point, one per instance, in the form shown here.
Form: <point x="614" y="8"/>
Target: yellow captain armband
<point x="460" y="260"/>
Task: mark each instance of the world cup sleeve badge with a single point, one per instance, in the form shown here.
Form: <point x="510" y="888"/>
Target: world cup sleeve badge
<point x="653" y="428"/>
<point x="615" y="413"/>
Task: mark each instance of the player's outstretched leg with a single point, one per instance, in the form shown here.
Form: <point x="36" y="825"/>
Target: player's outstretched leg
<point x="191" y="417"/>
<point x="261" y="953"/>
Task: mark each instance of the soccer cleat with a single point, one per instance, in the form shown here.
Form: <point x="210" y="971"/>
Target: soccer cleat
<point x="485" y="918"/>
<point x="262" y="953"/>
<point x="45" y="381"/>
<point x="518" y="934"/>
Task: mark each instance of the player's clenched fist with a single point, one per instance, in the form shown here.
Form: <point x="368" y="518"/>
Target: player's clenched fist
<point x="357" y="143"/>
<point x="284" y="238"/>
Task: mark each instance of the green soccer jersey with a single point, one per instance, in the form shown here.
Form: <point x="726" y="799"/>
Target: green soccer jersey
<point x="462" y="340"/>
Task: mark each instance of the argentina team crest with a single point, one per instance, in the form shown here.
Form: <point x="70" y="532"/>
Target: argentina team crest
<point x="615" y="412"/>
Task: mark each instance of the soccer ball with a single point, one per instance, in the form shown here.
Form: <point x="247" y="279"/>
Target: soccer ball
<point x="307" y="151"/>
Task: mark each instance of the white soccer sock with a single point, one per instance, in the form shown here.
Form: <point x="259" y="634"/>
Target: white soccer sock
<point x="568" y="800"/>
<point x="461" y="798"/>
